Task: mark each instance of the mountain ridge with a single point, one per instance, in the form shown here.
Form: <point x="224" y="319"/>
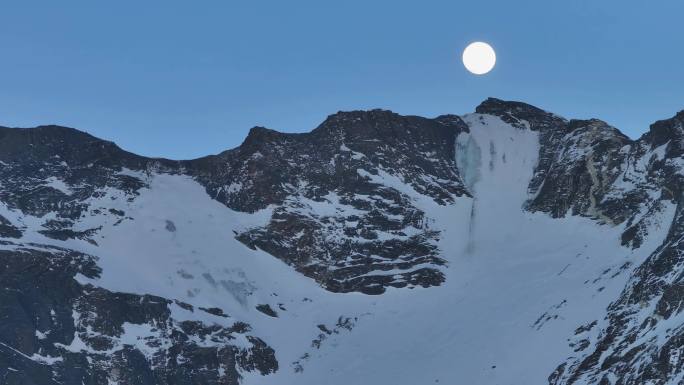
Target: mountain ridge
<point x="490" y="105"/>
<point x="373" y="237"/>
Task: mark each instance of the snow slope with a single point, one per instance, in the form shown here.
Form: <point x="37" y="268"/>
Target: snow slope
<point x="515" y="288"/>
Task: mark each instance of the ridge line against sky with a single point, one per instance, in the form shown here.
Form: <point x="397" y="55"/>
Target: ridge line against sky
<point x="310" y="130"/>
<point x="183" y="80"/>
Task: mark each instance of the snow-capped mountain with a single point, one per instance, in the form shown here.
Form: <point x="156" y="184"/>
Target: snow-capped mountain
<point x="506" y="246"/>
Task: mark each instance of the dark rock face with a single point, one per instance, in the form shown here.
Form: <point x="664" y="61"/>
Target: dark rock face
<point x="589" y="168"/>
<point x="270" y="166"/>
<point x="577" y="160"/>
<point x="268" y="310"/>
<point x="668" y="132"/>
<point x="56" y="330"/>
<point x="375" y="228"/>
<point x="52" y="169"/>
<point x="338" y="164"/>
<point x="586" y="165"/>
<point x="7" y="229"/>
<point x="642" y="339"/>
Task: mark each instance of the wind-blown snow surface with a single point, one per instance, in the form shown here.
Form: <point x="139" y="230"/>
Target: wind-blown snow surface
<point x="517" y="283"/>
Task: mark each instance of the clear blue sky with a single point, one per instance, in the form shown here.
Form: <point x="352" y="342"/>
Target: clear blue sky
<point x="183" y="79"/>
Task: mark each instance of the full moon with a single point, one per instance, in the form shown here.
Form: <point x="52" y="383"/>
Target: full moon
<point x="479" y="58"/>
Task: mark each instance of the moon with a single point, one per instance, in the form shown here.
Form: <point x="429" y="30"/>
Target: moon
<point x="479" y="58"/>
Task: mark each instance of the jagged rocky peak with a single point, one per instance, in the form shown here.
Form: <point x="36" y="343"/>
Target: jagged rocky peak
<point x="69" y="145"/>
<point x="592" y="123"/>
<point x="577" y="169"/>
<point x="258" y="137"/>
<point x="48" y="133"/>
<point x="59" y="170"/>
<point x="595" y="134"/>
<point x="382" y="135"/>
<point x="268" y="165"/>
<point x="383" y="127"/>
<point x="342" y="163"/>
<point x="521" y="115"/>
<point x="388" y="126"/>
<point x="579" y="161"/>
<point x="668" y="130"/>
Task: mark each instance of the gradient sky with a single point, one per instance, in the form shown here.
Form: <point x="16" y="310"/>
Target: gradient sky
<point x="182" y="79"/>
